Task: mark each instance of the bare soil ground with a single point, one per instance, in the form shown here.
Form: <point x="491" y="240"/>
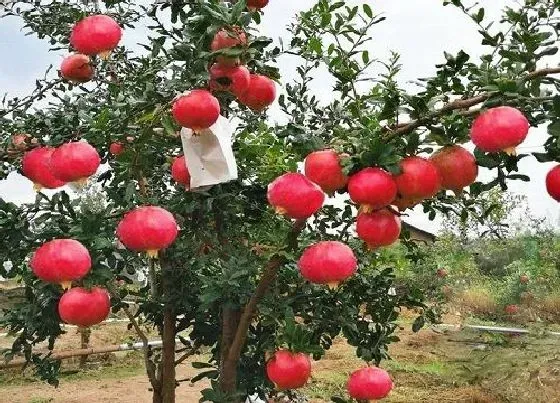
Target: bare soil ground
<point x="426" y="367"/>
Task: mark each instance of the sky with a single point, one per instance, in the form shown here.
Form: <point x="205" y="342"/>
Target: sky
<point x="420" y="30"/>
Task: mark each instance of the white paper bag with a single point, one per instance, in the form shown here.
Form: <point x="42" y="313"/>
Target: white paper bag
<point x="209" y="155"/>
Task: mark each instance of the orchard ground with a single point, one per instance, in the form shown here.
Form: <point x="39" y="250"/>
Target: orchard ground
<point x="428" y="366"/>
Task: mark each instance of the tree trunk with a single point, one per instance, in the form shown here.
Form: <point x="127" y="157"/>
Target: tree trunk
<point x="85" y="333"/>
<point x="168" y="356"/>
<point x="228" y="369"/>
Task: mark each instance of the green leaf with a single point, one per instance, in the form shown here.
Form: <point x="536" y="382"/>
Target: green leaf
<point x="368" y="11"/>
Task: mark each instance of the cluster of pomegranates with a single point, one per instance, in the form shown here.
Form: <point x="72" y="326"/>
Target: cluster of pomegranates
<point x="95" y="35"/>
<point x="289" y="370"/>
<point x="51" y="168"/>
<point x="63" y="261"/>
<point x="199" y="109"/>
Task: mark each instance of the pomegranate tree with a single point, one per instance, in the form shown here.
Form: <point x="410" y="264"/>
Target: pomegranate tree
<point x="327" y="262"/>
<point x="230" y="283"/>
<point x="288" y="370"/>
<point x="83" y="307"/>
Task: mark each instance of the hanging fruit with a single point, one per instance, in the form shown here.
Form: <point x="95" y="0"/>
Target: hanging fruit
<point x="196" y="110"/>
<point x="180" y="172"/>
<point x="75" y="162"/>
<point x="147" y="229"/>
<point x="96" y="35"/>
<point x="324" y="169"/>
<point x="77" y="68"/>
<point x="327" y="262"/>
<point x="419" y="178"/>
<point x="372" y="189"/>
<point x="378" y="228"/>
<point x="61" y="261"/>
<point x="36" y="166"/>
<point x="456" y="166"/>
<point x="288" y="370"/>
<point x="260" y="94"/>
<point x="84" y="308"/>
<point x="295" y="196"/>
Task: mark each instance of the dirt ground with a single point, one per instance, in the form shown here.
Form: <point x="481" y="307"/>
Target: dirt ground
<point x="427" y="367"/>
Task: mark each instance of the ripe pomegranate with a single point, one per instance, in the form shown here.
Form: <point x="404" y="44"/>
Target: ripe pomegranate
<point x="197" y="110"/>
<point x="378" y="228"/>
<point x="148" y="229"/>
<point x="553" y="183"/>
<point x="419" y="178"/>
<point x="256" y="4"/>
<point x="295" y="196"/>
<point x="499" y="129"/>
<point x="96" y="35"/>
<point x="288" y="370"/>
<point x="324" y="169"/>
<point x="75" y="162"/>
<point x="260" y="94"/>
<point x="116" y="148"/>
<point x="369" y="384"/>
<point x="511" y="309"/>
<point x="441" y="273"/>
<point x="372" y="188"/>
<point x="524" y="279"/>
<point x="36" y="167"/>
<point x="180" y="172"/>
<point x="61" y="261"/>
<point x="234" y="79"/>
<point x="327" y="262"/>
<point x="456" y="166"/>
<point x="76" y="68"/>
<point x="227" y="38"/>
<point x="84" y="308"/>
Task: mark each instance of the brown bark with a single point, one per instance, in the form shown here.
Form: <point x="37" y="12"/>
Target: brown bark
<point x="84" y="336"/>
<point x="168" y="356"/>
<point x="228" y="370"/>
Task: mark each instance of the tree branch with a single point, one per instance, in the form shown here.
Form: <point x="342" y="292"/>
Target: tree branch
<point x="457" y="104"/>
<point x="269" y="276"/>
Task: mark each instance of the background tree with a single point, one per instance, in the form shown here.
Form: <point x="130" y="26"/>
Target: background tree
<point x="230" y="279"/>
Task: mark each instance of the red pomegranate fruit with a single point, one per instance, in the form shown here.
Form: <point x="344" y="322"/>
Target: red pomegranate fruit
<point x="511" y="309"/>
<point x="234" y="79"/>
<point x="75" y="162"/>
<point x="84" y="308"/>
<point x="295" y="196"/>
<point x="524" y="279"/>
<point x="196" y="110"/>
<point x="36" y="166"/>
<point x="116" y="148"/>
<point x="260" y="94"/>
<point x="419" y="178"/>
<point x="456" y="166"/>
<point x="228" y="38"/>
<point x="378" y="228"/>
<point x="369" y="384"/>
<point x="372" y="189"/>
<point x="553" y="183"/>
<point x="61" y="261"/>
<point x="76" y="68"/>
<point x="288" y="370"/>
<point x="499" y="129"/>
<point x="256" y="4"/>
<point x="324" y="169"/>
<point x="147" y="229"/>
<point x="327" y="262"/>
<point x="96" y="35"/>
<point x="180" y="172"/>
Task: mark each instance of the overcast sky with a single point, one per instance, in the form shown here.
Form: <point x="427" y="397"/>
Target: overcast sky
<point x="420" y="30"/>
